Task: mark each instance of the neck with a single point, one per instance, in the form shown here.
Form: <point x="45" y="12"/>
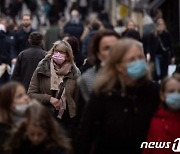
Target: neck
<point x="27" y="29"/>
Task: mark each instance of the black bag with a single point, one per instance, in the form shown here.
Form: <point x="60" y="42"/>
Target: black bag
<point x="50" y="106"/>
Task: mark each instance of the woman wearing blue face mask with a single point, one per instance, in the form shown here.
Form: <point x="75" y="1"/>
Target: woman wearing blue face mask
<point x="119" y="112"/>
<point x="165" y="126"/>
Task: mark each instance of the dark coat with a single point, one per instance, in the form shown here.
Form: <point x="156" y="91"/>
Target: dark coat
<point x="39" y="87"/>
<point x="74" y="29"/>
<point x="155" y="47"/>
<point x="117" y="123"/>
<point x="165" y="127"/>
<point x="21" y="41"/>
<point x="27" y="62"/>
<point x="28" y="148"/>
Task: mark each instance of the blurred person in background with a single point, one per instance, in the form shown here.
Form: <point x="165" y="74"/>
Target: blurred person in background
<point x="38" y="132"/>
<point x="74" y="27"/>
<point x="78" y="58"/>
<point x="52" y="34"/>
<point x="160" y="49"/>
<point x="54" y="83"/>
<point x="28" y="60"/>
<point x="117" y="117"/>
<point x="13" y="102"/>
<point x="21" y="36"/>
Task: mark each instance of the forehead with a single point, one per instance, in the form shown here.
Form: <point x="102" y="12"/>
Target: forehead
<point x="172" y="85"/>
<point x="26" y="18"/>
<point x="134" y="50"/>
<point x="106" y="40"/>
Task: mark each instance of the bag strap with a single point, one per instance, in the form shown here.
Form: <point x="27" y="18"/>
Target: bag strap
<point x="161" y="44"/>
<point x="62" y="86"/>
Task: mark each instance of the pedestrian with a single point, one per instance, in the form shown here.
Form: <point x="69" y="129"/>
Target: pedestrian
<point x="13" y="102"/>
<point x="165" y="124"/>
<point x="99" y="52"/>
<point x="38" y="132"/>
<point x="74" y="27"/>
<point x="160" y="49"/>
<point x="54" y="83"/>
<point x="78" y="58"/>
<point x="28" y="60"/>
<point x="117" y="117"/>
<point x="22" y="35"/>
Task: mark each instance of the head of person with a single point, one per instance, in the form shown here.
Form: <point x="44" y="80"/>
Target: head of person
<point x="74" y="42"/>
<point x="100" y="45"/>
<point x="26" y="20"/>
<point x="130" y="24"/>
<point x="126" y="66"/>
<point x="160" y="25"/>
<point x="39" y="127"/>
<point x="170" y="92"/>
<point x="132" y="33"/>
<point x="35" y="38"/>
<point x="61" y="52"/>
<point x="12" y="97"/>
<point x="95" y="24"/>
<point x="75" y="18"/>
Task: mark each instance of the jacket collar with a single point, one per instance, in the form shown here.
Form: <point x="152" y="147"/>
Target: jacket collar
<point x="44" y="68"/>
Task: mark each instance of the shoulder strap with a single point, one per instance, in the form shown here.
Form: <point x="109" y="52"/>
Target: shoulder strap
<point x="161" y="44"/>
<point x="62" y="86"/>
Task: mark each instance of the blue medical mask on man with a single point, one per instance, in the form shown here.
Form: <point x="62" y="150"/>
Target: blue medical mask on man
<point x="137" y="69"/>
<point x="173" y="101"/>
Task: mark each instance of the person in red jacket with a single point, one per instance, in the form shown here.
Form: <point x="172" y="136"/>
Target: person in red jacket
<point x="165" y="126"/>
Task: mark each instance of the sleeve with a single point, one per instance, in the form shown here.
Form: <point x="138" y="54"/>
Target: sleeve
<point x="89" y="126"/>
<point x="17" y="70"/>
<point x="34" y="90"/>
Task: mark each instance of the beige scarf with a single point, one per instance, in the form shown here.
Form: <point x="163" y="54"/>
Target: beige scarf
<point x="57" y="75"/>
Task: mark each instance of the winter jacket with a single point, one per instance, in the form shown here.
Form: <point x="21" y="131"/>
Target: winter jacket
<point x="21" y="41"/>
<point x="165" y="127"/>
<point x="117" y="122"/>
<point x="27" y="62"/>
<point x="39" y="87"/>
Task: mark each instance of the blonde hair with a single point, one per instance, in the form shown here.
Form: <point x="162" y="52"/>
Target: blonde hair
<point x="109" y="74"/>
<point x="66" y="47"/>
<point x="160" y="20"/>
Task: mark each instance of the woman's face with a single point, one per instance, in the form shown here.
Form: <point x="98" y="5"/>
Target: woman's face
<point x="172" y="86"/>
<point x="36" y="134"/>
<point x="132" y="55"/>
<point x="104" y="47"/>
<point x="59" y="49"/>
<point x="160" y="26"/>
<point x="130" y="25"/>
<point x="20" y="96"/>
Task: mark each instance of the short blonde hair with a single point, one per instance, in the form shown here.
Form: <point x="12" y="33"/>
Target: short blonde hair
<point x="66" y="47"/>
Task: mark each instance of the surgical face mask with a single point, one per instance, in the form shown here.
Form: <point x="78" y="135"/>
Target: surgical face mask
<point x="21" y="108"/>
<point x="137" y="69"/>
<point x="58" y="57"/>
<point x="173" y="101"/>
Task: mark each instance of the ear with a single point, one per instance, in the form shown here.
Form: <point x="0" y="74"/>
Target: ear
<point x="162" y="96"/>
<point x="119" y="67"/>
<point x="29" y="40"/>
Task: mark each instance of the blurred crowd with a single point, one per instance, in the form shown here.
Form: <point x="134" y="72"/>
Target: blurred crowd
<point x="78" y="85"/>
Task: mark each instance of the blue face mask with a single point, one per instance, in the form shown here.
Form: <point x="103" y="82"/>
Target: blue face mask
<point x="173" y="101"/>
<point x="137" y="69"/>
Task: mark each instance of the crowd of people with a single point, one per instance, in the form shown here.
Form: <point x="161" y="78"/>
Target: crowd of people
<point x="85" y="88"/>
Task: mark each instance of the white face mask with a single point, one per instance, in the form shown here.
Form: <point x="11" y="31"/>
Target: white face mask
<point x="21" y="108"/>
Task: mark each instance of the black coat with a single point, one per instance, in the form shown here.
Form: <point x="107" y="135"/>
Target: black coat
<point x="27" y="62"/>
<point x="156" y="48"/>
<point x="20" y="41"/>
<point x="117" y="123"/>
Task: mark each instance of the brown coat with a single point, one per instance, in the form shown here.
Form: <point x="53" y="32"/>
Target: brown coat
<point x="39" y="87"/>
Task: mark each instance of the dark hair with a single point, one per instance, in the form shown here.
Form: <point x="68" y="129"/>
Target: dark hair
<point x="95" y="42"/>
<point x="38" y="115"/>
<point x="176" y="77"/>
<point x="73" y="41"/>
<point x="132" y="33"/>
<point x="36" y="38"/>
<point x="7" y="94"/>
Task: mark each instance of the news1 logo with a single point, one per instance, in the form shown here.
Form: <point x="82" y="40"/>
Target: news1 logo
<point x="161" y="145"/>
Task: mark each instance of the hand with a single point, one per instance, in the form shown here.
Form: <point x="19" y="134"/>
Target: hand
<point x="148" y="57"/>
<point x="173" y="60"/>
<point x="13" y="61"/>
<point x="55" y="102"/>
